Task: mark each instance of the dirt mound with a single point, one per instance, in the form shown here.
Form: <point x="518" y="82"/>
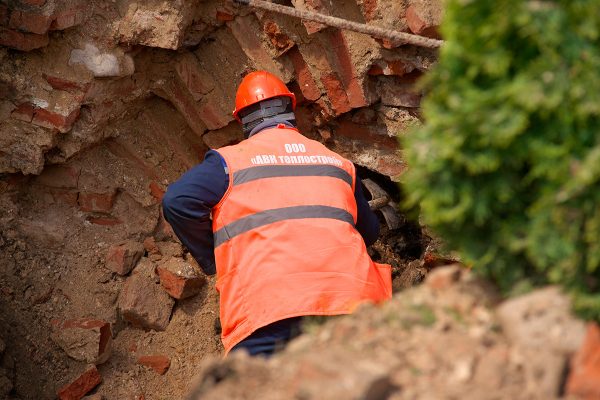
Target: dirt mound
<point x="446" y="339"/>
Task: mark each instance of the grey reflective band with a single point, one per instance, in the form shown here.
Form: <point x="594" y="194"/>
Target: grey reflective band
<point x="274" y="171"/>
<point x="267" y="217"/>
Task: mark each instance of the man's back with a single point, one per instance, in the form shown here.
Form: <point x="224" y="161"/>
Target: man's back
<point x="285" y="238"/>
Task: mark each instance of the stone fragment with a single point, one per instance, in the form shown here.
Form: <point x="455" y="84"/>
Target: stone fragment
<point x="144" y="303"/>
<point x="80" y="386"/>
<point x="443" y="277"/>
<point x="159" y="363"/>
<point x="179" y="278"/>
<point x="399" y="94"/>
<point x="123" y="257"/>
<point x="170" y="249"/>
<point x="584" y="378"/>
<point x="543" y="331"/>
<point x="88" y="340"/>
<point x="103" y="64"/>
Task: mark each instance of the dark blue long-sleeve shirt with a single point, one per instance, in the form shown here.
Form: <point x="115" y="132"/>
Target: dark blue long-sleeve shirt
<point x="187" y="205"/>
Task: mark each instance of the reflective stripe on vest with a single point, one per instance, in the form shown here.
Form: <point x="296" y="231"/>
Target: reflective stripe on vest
<point x="273" y="171"/>
<point x="262" y="218"/>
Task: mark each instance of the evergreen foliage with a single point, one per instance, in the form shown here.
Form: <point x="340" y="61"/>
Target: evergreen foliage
<point x="506" y="167"/>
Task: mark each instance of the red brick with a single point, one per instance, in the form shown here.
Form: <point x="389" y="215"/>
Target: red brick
<point x="369" y="9"/>
<point x="96" y="202"/>
<point x="22" y="41"/>
<point x="52" y="120"/>
<point x="36" y="3"/>
<point x="65" y="196"/>
<point x="150" y="245"/>
<point x="317" y="6"/>
<point x="178" y="94"/>
<point x="179" y="279"/>
<point x="59" y="176"/>
<point x="356" y="94"/>
<point x="248" y="33"/>
<point x="213" y="116"/>
<point x="30" y="22"/>
<point x="80" y="386"/>
<point x="65" y="84"/>
<point x="4" y="15"/>
<point x="367" y="134"/>
<point x="159" y="363"/>
<point x="305" y="80"/>
<point x="392" y="67"/>
<point x="279" y="39"/>
<point x="390" y="165"/>
<point x="224" y="16"/>
<point x="156" y="191"/>
<point x="336" y="93"/>
<point x="584" y="378"/>
<point x="120" y="150"/>
<point x="23" y="112"/>
<point x="418" y="25"/>
<point x="198" y="82"/>
<point x="85" y="339"/>
<point x="123" y="257"/>
<point x="68" y="18"/>
<point x="105" y="221"/>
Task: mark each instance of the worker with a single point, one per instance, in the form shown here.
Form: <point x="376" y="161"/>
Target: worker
<point x="281" y="220"/>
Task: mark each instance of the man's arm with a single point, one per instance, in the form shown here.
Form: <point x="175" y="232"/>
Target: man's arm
<point x="187" y="205"/>
<point x="367" y="223"/>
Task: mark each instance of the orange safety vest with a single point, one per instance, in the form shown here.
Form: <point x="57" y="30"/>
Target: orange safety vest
<point x="285" y="238"/>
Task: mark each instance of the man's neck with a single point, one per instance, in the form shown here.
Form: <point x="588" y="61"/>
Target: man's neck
<point x="271" y="123"/>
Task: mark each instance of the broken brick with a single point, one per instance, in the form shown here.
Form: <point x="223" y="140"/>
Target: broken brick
<point x="355" y="88"/>
<point x="96" y="202"/>
<point x="179" y="279"/>
<point x="123" y="257"/>
<point x="304" y="77"/>
<point x="80" y="386"/>
<point x="159" y="363"/>
<point x="66" y="85"/>
<point x="88" y="340"/>
<point x="53" y="120"/>
<point x="144" y="304"/>
<point x="584" y="377"/>
<point x="336" y="93"/>
<point x="195" y="78"/>
<point x="68" y="18"/>
<point x="420" y="26"/>
<point x="223" y="16"/>
<point x="369" y="9"/>
<point x="279" y="39"/>
<point x="30" y="22"/>
<point x="23" y="112"/>
<point x="22" y="41"/>
<point x="150" y="246"/>
<point x="212" y="116"/>
<point x="156" y="191"/>
<point x="366" y="133"/>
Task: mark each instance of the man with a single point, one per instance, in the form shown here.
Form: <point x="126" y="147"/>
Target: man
<point x="287" y="218"/>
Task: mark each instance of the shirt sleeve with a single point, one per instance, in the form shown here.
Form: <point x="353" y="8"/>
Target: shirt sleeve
<point x="187" y="206"/>
<point x="367" y="223"/>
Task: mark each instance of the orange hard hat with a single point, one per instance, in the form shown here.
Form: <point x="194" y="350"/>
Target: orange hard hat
<point x="258" y="86"/>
